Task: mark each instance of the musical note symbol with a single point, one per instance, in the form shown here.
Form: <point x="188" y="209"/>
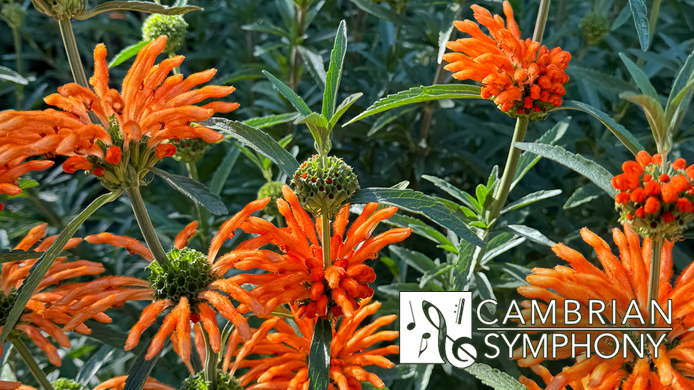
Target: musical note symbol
<point x="412" y="324"/>
<point x="425" y="341"/>
<point x="458" y="344"/>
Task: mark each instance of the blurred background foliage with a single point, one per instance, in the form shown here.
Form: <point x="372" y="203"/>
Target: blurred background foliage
<point x="394" y="45"/>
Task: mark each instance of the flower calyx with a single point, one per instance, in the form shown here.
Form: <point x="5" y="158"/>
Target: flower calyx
<point x="186" y="274"/>
<point x="324" y="183"/>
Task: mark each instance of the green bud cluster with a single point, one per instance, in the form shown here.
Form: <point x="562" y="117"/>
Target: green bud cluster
<point x="60" y="9"/>
<point x="14" y="14"/>
<point x="595" y="28"/>
<point x="67" y="384"/>
<point x="173" y="26"/>
<point x="6" y="303"/>
<point x="187" y="274"/>
<point x="324" y="187"/>
<point x="190" y="150"/>
<point x="224" y="382"/>
<point x="273" y="189"/>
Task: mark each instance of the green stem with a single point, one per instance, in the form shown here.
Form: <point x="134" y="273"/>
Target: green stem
<point x="653" y="19"/>
<point x="654" y="275"/>
<point x="541" y="21"/>
<point x="199" y="211"/>
<point x="31" y="363"/>
<point x="18" y="58"/>
<point x="210" y="361"/>
<point x="176" y="70"/>
<point x="501" y="193"/>
<point x="145" y="223"/>
<point x="325" y="222"/>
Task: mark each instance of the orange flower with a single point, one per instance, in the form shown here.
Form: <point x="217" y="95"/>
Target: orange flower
<point x="118" y="383"/>
<point x="151" y="109"/>
<point x="622" y="279"/>
<point x="13" y="385"/>
<point x="523" y="77"/>
<point x="297" y="273"/>
<point x="194" y="287"/>
<point x="12" y="170"/>
<point x="288" y="367"/>
<point x="62" y="304"/>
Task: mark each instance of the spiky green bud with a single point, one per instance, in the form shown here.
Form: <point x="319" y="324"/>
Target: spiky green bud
<point x="173" y="26"/>
<point x="190" y="150"/>
<point x="595" y="28"/>
<point x="67" y="384"/>
<point x="224" y="382"/>
<point x="6" y="303"/>
<point x="273" y="189"/>
<point x="187" y="274"/>
<point x="324" y="189"/>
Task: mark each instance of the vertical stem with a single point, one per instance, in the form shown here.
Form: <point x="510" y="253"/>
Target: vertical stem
<point x="325" y="223"/>
<point x="199" y="211"/>
<point x="654" y="275"/>
<point x="501" y="193"/>
<point x="210" y="361"/>
<point x="73" y="55"/>
<point x="18" y="58"/>
<point x="31" y="363"/>
<point x="176" y="70"/>
<point x="145" y="223"/>
<point x="541" y="21"/>
<point x="653" y="20"/>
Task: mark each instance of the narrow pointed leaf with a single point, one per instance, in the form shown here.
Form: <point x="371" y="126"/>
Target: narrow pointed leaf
<point x="314" y="63"/>
<point x="319" y="355"/>
<point x="622" y="134"/>
<point x="684" y="77"/>
<point x="224" y="170"/>
<point x="494" y="378"/>
<point x="640" y="13"/>
<point x="140" y="370"/>
<point x="343" y="107"/>
<point x="44" y="263"/>
<point x="290" y="95"/>
<point x="193" y="190"/>
<point x="416" y="202"/>
<point x="127" y="53"/>
<point x="257" y="140"/>
<point x="7" y="256"/>
<point x="590" y="169"/>
<point x="137" y="6"/>
<point x="10" y="75"/>
<point x="461" y="195"/>
<point x="419" y="95"/>
<point x="639" y="77"/>
<point x="530" y="198"/>
<point x="583" y="194"/>
<point x="92" y="366"/>
<point x="653" y="110"/>
<point x="332" y="79"/>
<point x="531" y="234"/>
<point x="271" y="120"/>
<point x="528" y="160"/>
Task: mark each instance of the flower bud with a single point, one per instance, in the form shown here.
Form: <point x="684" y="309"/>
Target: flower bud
<point x="324" y="189"/>
<point x="60" y="9"/>
<point x="67" y="384"/>
<point x="595" y="28"/>
<point x="272" y="189"/>
<point x="224" y="382"/>
<point x="14" y="14"/>
<point x="173" y="26"/>
<point x="190" y="150"/>
<point x="187" y="274"/>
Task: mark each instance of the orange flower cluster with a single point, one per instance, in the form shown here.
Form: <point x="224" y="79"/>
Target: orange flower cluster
<point x="652" y="200"/>
<point x="135" y="126"/>
<point x="287" y="368"/>
<point x="297" y="273"/>
<point x="65" y="302"/>
<point x="523" y="77"/>
<point x="622" y="279"/>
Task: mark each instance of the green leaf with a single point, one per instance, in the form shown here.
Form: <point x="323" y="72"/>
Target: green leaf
<point x="684" y="76"/>
<point x="514" y="270"/>
<point x="110" y="336"/>
<point x="8" y="256"/>
<point x="446" y="29"/>
<point x="319" y="355"/>
<point x="528" y="160"/>
<point x="221" y="174"/>
<point x="639" y="77"/>
<point x="419" y="227"/>
<point x="256" y="140"/>
<point x="484" y="287"/>
<point x="464" y="264"/>
<point x="531" y="234"/>
<point x="435" y="273"/>
<point x="343" y="107"/>
<point x="419" y="95"/>
<point x="140" y="370"/>
<point x="414" y="259"/>
<point x="271" y="120"/>
<point x="622" y="134"/>
<point x="583" y="194"/>
<point x="290" y="95"/>
<point x="332" y="80"/>
<point x="416" y="202"/>
<point x="653" y="110"/>
<point x="194" y="190"/>
<point x="127" y="53"/>
<point x="387" y="118"/>
<point x="44" y="263"/>
<point x="451" y="190"/>
<point x="266" y="27"/>
<point x="494" y="378"/>
<point x="643" y="29"/>
<point x="530" y="198"/>
<point x="502" y="248"/>
<point x="10" y="75"/>
<point x="314" y="63"/>
<point x="392" y="267"/>
<point x="92" y="366"/>
<point x="138" y="6"/>
<point x="380" y="12"/>
<point x="590" y="169"/>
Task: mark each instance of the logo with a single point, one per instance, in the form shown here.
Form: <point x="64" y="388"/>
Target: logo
<point x="436" y="328"/>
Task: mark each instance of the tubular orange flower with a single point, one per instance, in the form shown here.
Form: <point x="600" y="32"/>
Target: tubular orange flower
<point x="288" y="367"/>
<point x="523" y="77"/>
<point x="150" y="111"/>
<point x="623" y="279"/>
<point x="193" y="286"/>
<point x="12" y="170"/>
<point x="297" y="274"/>
<point x="13" y="385"/>
<point x="118" y="383"/>
<point x="62" y="304"/>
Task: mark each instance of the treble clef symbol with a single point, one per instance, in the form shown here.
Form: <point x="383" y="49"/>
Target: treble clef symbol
<point x="457" y="346"/>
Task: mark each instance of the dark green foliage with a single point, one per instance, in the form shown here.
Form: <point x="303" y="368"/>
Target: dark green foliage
<point x="6" y="302"/>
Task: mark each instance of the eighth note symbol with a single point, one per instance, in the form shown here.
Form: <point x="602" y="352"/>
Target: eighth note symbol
<point x="425" y="341"/>
<point x="412" y="324"/>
